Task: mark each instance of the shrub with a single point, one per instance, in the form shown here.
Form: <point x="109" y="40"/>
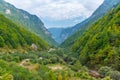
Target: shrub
<point x="104" y="70"/>
<point x="1" y="41"/>
<point x="4" y="75"/>
<point x="107" y="78"/>
<point x="115" y="75"/>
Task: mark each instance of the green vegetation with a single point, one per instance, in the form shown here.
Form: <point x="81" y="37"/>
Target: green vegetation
<point x="107" y="71"/>
<point x="39" y="66"/>
<point x="70" y="40"/>
<point x="5" y="75"/>
<point x="1" y="41"/>
<point x="78" y="30"/>
<point x="100" y="45"/>
<point x="12" y="36"/>
<point x="95" y="55"/>
<point x="43" y="66"/>
<point x="28" y="21"/>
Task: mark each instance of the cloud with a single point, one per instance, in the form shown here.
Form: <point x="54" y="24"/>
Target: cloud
<point x="58" y="9"/>
<point x="61" y="10"/>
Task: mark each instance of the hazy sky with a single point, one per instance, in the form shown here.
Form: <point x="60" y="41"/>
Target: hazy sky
<point x="54" y="13"/>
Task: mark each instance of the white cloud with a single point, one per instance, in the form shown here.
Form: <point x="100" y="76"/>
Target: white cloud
<point x="61" y="11"/>
<point x="58" y="9"/>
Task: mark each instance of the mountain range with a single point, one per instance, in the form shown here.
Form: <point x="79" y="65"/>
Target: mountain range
<point x="13" y="36"/>
<point x="28" y="21"/>
<point x="89" y="50"/>
<point x="66" y="34"/>
<point x="56" y="33"/>
<point x="100" y="44"/>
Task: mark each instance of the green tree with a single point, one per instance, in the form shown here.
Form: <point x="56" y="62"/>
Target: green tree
<point x="1" y="41"/>
<point x="4" y="75"/>
<point x="59" y="77"/>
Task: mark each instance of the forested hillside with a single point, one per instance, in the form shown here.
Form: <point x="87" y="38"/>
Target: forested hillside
<point x="100" y="45"/>
<point x="78" y="30"/>
<point x="28" y="21"/>
<point x="92" y="53"/>
<point x="13" y="36"/>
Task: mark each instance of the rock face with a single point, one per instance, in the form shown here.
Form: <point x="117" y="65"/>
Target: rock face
<point x="34" y="46"/>
<point x="8" y="11"/>
<point x="29" y="22"/>
<point x="80" y="28"/>
<point x="95" y="74"/>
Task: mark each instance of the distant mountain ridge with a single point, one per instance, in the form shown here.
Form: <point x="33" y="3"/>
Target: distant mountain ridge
<point x="77" y="30"/>
<point x="29" y="22"/>
<point x="56" y="33"/>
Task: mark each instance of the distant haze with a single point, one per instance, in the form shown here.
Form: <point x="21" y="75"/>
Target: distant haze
<point x="59" y="13"/>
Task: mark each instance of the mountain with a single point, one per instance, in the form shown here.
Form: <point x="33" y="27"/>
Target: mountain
<point x="13" y="36"/>
<point x="56" y="34"/>
<point x="77" y="30"/>
<point x="28" y="21"/>
<point x="100" y="44"/>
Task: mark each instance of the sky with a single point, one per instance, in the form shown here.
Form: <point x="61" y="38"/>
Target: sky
<point x="59" y="13"/>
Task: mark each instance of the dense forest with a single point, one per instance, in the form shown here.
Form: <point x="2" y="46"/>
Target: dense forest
<point x="100" y="45"/>
<point x="12" y="36"/>
<point x="79" y="29"/>
<point x="94" y="55"/>
<point x="26" y="20"/>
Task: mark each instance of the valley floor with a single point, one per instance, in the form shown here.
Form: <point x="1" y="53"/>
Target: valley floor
<point x="53" y="65"/>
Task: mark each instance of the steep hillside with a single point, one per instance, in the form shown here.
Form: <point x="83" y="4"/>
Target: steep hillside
<point x="100" y="45"/>
<point x="28" y="21"/>
<point x="56" y="34"/>
<point x="83" y="26"/>
<point x="13" y="36"/>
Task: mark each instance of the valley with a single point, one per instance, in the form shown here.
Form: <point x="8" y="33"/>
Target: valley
<point x="90" y="50"/>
